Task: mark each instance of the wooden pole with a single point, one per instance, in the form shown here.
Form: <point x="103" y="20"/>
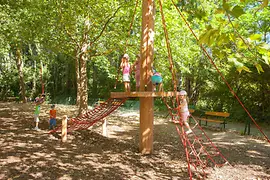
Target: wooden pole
<point x="104" y="127"/>
<point x="146" y="103"/>
<point x="64" y="128"/>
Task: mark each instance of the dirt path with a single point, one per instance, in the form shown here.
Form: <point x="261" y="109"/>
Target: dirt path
<point x="28" y="154"/>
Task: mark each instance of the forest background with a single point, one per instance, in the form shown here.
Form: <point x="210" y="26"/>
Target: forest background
<point x="72" y="50"/>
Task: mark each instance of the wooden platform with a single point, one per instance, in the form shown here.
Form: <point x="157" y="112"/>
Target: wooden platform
<point x="142" y="94"/>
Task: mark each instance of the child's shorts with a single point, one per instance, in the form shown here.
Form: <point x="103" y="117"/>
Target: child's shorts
<point x="52" y="122"/>
<point x="156" y="79"/>
<point x="36" y="119"/>
<point x="126" y="78"/>
<point x="184" y="116"/>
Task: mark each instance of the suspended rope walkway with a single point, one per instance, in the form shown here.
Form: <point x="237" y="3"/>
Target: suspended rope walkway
<point x="93" y="116"/>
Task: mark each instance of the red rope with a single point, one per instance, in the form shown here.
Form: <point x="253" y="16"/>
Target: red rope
<point x="93" y="116"/>
<point x="221" y="75"/>
<point x="169" y="53"/>
<point x="168" y="46"/>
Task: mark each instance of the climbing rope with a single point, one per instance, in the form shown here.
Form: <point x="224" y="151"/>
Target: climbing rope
<point x="221" y="75"/>
<point x="168" y="47"/>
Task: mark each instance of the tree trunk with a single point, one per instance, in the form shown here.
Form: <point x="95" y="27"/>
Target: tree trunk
<point x="33" y="84"/>
<point x="55" y="81"/>
<point x="78" y="79"/>
<point x="188" y="85"/>
<point x="94" y="88"/>
<point x="41" y="78"/>
<point x="83" y="89"/>
<point x="83" y="85"/>
<point x="19" y="64"/>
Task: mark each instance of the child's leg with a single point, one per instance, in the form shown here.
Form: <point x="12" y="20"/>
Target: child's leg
<point x="160" y="87"/>
<point x="128" y="87"/>
<point x="36" y="119"/>
<point x="54" y="123"/>
<point x="154" y="87"/>
<point x="184" y="117"/>
<point x="50" y="124"/>
<point x="187" y="125"/>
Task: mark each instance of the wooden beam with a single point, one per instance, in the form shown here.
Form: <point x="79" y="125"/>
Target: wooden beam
<point x="147" y="56"/>
<point x="142" y="94"/>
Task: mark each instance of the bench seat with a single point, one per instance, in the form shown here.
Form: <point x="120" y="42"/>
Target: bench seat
<point x="215" y="117"/>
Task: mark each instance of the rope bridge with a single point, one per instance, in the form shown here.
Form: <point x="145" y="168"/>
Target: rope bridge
<point x="90" y="117"/>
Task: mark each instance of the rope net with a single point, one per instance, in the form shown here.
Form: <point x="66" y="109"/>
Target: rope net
<point x="93" y="116"/>
<point x="201" y="152"/>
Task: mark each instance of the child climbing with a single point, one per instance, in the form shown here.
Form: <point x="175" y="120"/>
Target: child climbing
<point x="52" y="117"/>
<point x="137" y="67"/>
<point x="182" y="110"/>
<point x="38" y="101"/>
<point x="126" y="72"/>
<point x="157" y="81"/>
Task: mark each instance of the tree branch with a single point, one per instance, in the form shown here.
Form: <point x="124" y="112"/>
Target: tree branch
<point x="104" y="27"/>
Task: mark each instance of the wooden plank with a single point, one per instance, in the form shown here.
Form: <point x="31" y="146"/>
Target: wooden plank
<point x="221" y="114"/>
<point x="211" y="120"/>
<point x="142" y="94"/>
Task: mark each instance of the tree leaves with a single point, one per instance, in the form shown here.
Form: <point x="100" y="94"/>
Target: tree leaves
<point x="239" y="65"/>
<point x="259" y="68"/>
<point x="256" y="37"/>
<point x="236" y="11"/>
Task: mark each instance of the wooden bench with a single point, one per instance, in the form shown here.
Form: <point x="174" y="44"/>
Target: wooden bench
<point x="215" y="117"/>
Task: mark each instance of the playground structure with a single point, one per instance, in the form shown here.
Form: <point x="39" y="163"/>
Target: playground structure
<point x="200" y="151"/>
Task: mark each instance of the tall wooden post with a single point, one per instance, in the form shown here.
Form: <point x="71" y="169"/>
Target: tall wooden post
<point x="146" y="103"/>
<point x="64" y="128"/>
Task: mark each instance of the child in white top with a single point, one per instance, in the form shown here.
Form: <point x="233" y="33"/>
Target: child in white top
<point x="183" y="110"/>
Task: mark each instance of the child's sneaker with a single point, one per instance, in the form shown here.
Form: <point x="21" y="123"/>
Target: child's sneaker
<point x="36" y="128"/>
<point x="189" y="131"/>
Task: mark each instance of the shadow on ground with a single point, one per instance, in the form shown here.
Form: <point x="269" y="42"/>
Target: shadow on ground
<point x="28" y="154"/>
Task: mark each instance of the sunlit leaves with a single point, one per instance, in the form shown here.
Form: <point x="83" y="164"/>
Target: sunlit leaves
<point x="266" y="59"/>
<point x="256" y="37"/>
<point x="239" y="65"/>
<point x="259" y="68"/>
<point x="209" y="36"/>
<point x="236" y="11"/>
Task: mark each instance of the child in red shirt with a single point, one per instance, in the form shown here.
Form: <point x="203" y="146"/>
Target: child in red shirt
<point x="52" y="117"/>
